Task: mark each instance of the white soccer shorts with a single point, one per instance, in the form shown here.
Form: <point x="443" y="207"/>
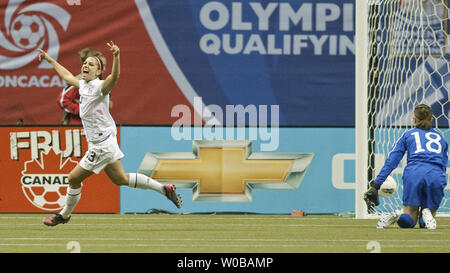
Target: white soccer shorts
<point x="100" y="155"/>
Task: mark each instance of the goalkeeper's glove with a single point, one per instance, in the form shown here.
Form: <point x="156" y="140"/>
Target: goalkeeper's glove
<point x="371" y="197"/>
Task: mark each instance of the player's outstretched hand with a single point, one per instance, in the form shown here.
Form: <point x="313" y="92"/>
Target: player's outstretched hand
<point x="43" y="55"/>
<point x="114" y="48"/>
<point x="371" y="197"/>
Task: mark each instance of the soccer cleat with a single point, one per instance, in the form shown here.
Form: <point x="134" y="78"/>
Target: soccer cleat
<point x="172" y="195"/>
<point x="55" y="220"/>
<point x="430" y="222"/>
<point x="388" y="219"/>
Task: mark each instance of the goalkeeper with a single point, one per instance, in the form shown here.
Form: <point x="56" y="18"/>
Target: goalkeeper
<point x="424" y="175"/>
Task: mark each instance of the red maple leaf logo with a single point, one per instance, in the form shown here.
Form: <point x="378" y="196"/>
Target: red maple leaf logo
<point x="44" y="181"/>
<point x="64" y="165"/>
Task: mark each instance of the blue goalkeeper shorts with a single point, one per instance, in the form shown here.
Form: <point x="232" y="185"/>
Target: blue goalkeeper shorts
<point x="423" y="186"/>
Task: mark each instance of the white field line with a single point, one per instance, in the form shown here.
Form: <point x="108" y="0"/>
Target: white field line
<point x="177" y="217"/>
<point x="198" y="218"/>
<point x="416" y="246"/>
<point x="203" y="225"/>
<point x="247" y="243"/>
<point x="217" y="239"/>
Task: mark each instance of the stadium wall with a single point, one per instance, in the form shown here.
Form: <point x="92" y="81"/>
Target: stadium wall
<point x="33" y="160"/>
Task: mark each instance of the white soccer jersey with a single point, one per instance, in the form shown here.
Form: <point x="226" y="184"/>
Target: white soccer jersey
<point x="94" y="112"/>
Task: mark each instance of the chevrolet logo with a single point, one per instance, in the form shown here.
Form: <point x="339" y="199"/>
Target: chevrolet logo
<point x="226" y="170"/>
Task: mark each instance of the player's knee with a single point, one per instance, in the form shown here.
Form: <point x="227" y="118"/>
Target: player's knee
<point x="74" y="181"/>
<point x="405" y="221"/>
<point x="120" y="179"/>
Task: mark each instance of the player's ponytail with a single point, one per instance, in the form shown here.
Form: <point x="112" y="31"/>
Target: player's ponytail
<point x="424" y="117"/>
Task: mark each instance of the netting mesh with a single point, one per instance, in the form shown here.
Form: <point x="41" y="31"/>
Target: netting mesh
<point x="408" y="65"/>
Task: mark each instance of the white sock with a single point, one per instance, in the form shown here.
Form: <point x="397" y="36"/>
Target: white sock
<point x="72" y="198"/>
<point x="140" y="181"/>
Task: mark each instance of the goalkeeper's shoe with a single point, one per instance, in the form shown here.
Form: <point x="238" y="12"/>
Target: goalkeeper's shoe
<point x="428" y="218"/>
<point x="55" y="220"/>
<point x="388" y="219"/>
<point x="172" y="195"/>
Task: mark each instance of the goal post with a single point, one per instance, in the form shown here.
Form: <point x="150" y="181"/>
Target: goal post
<point x="361" y="116"/>
<point x="401" y="60"/>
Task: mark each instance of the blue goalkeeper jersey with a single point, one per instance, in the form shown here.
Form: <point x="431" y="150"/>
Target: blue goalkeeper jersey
<point x="423" y="147"/>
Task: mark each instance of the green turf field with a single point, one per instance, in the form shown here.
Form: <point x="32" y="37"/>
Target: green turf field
<point x="168" y="233"/>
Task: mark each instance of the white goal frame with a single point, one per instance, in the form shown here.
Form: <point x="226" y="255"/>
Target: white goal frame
<point x="361" y="115"/>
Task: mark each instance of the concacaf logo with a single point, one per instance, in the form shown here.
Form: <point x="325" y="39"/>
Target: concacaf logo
<point x="27" y="27"/>
<point x="45" y="185"/>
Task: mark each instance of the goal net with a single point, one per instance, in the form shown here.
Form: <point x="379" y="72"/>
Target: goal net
<point x="402" y="60"/>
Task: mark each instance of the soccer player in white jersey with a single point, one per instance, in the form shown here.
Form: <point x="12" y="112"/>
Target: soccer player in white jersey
<point x="100" y="130"/>
<point x="424" y="175"/>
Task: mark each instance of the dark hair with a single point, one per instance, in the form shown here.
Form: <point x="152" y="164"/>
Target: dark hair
<point x="84" y="54"/>
<point x="424" y="117"/>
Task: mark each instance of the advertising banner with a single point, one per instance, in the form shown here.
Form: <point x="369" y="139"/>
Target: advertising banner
<point x="312" y="170"/>
<point x="295" y="54"/>
<point x="35" y="163"/>
<point x="145" y="92"/>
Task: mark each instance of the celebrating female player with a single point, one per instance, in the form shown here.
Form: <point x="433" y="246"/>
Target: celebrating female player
<point x="100" y="130"/>
<point x="424" y="175"/>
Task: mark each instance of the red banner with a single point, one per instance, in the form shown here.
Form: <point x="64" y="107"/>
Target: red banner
<point x="35" y="163"/>
<point x="145" y="92"/>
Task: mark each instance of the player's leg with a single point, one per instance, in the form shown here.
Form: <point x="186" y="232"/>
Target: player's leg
<point x="114" y="169"/>
<point x="73" y="196"/>
<point x="136" y="180"/>
<point x="413" y="183"/>
<point x="118" y="176"/>
<point x="435" y="183"/>
<point x="76" y="177"/>
<point x="408" y="218"/>
<point x="116" y="173"/>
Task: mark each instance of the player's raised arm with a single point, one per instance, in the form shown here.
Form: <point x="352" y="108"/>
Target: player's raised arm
<point x="61" y="70"/>
<point x="111" y="80"/>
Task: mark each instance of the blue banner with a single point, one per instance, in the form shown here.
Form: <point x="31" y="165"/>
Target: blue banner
<point x="296" y="54"/>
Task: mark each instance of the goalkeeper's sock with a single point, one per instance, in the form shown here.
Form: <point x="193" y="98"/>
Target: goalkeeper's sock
<point x="72" y="198"/>
<point x="405" y="221"/>
<point x="141" y="181"/>
<point x="421" y="223"/>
